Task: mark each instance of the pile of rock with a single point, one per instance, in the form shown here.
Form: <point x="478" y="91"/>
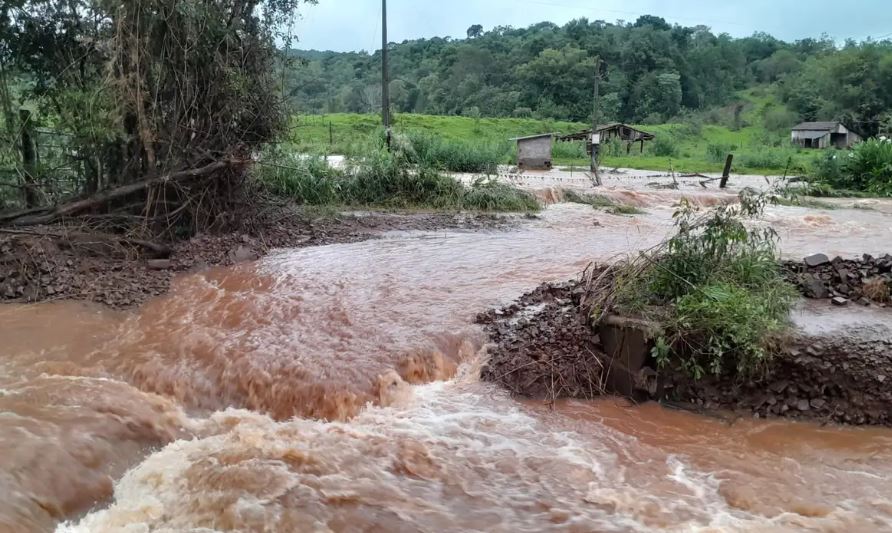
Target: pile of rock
<point x="867" y="281"/>
<point x="841" y="379"/>
<point x="542" y="346"/>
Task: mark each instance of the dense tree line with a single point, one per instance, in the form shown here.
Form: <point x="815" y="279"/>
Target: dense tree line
<point x="133" y="92"/>
<point x="652" y="72"/>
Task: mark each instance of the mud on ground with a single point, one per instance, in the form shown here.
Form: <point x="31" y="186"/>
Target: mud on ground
<point x="55" y="263"/>
<point x="542" y="346"/>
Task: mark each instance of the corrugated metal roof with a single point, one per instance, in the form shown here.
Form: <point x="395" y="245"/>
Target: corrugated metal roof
<point x="816" y="126"/>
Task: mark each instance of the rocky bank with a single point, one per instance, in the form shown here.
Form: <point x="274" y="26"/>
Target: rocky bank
<point x="542" y="346"/>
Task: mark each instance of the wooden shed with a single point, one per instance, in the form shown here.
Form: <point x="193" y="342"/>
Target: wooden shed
<point x="606" y="132"/>
<point x="534" y="151"/>
<point x="824" y="135"/>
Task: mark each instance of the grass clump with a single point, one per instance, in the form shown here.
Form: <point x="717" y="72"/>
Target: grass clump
<point x="491" y="195"/>
<point x="384" y="178"/>
<point x="598" y="201"/>
<point x="664" y="146"/>
<point x="795" y="200"/>
<point x="308" y="179"/>
<point x="716" y="288"/>
<point x="456" y="156"/>
<point x="624" y="209"/>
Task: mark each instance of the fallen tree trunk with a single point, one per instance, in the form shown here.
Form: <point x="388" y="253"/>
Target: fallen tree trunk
<point x="31" y="217"/>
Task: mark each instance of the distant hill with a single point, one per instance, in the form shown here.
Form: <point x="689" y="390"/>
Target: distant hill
<point x="653" y="72"/>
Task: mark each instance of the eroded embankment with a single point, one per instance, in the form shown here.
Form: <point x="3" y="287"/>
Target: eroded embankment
<point x="831" y="368"/>
<point x="58" y="263"/>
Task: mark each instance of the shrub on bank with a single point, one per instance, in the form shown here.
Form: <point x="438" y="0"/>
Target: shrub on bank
<point x="664" y="146"/>
<point x="867" y="167"/>
<point x="717" y="152"/>
<point x="716" y="288"/>
<point x="383" y="178"/>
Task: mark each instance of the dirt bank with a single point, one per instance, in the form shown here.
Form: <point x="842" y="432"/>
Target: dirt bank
<point x="542" y="347"/>
<point x="55" y="263"/>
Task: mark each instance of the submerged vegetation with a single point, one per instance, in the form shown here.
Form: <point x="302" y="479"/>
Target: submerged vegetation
<point x="715" y="287"/>
<point x="599" y="201"/>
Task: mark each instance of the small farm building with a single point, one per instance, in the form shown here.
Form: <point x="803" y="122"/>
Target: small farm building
<point x="534" y="151"/>
<point x="824" y="135"/>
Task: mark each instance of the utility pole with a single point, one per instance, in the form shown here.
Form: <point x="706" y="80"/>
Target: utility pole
<point x="385" y="85"/>
<point x="595" y="138"/>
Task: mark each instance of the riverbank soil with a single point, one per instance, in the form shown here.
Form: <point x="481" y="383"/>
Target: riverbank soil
<point x="543" y="347"/>
<point x="58" y="263"/>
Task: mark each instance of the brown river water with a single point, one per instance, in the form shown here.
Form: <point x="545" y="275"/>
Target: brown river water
<point x="335" y="389"/>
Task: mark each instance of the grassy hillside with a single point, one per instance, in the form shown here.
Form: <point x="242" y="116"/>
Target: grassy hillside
<point x="699" y="144"/>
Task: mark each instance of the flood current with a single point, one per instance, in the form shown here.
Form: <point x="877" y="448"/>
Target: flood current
<point x="335" y="388"/>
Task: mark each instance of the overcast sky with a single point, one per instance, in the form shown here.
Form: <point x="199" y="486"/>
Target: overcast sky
<point x="355" y="24"/>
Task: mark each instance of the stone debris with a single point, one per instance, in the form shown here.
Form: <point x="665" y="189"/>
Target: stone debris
<point x="816" y="260"/>
<point x="542" y="347"/>
<point x="867" y="281"/>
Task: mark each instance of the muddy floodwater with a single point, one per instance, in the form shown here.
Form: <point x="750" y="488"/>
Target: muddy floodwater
<point x="335" y="389"/>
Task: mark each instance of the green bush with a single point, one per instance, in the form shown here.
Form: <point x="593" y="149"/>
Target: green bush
<point x="727" y="323"/>
<point x="664" y="146"/>
<point x="779" y="118"/>
<point x="491" y="195"/>
<point x="305" y="179"/>
<point x="384" y="178"/>
<point x="455" y="156"/>
<point x="867" y="167"/>
<point x="569" y="150"/>
<point x="717" y="152"/>
<point x="594" y="200"/>
<point x="717" y="289"/>
<point x="598" y="201"/>
<point x="613" y="148"/>
<point x="764" y="158"/>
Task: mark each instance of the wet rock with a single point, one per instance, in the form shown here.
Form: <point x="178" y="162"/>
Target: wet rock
<point x="816" y="260"/>
<point x="159" y="264"/>
<point x="814" y="288"/>
<point x="243" y="254"/>
<point x="802" y="405"/>
<point x="840" y="301"/>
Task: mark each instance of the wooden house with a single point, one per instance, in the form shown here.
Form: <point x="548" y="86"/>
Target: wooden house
<point x="824" y="135"/>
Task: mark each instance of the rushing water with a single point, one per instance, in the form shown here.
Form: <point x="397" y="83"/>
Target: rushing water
<point x="334" y="388"/>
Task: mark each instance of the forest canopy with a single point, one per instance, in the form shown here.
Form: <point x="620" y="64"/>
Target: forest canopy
<point x="654" y="72"/>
